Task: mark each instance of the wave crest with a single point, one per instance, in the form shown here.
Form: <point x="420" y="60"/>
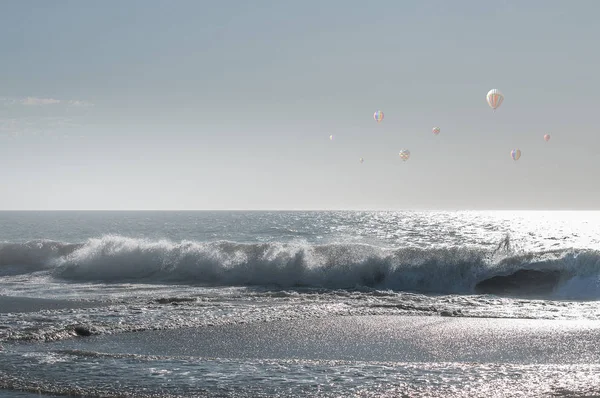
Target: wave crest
<point x="333" y="266"/>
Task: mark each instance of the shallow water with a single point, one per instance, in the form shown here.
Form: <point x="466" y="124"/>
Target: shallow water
<point x="348" y="356"/>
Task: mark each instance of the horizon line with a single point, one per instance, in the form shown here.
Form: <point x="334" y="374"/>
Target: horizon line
<point x="291" y="210"/>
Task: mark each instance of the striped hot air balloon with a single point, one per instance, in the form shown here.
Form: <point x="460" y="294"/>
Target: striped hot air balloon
<point x="494" y="98"/>
<point x="404" y="154"/>
<point x="378" y="116"/>
<point x="436" y="130"/>
<point x="515" y="154"/>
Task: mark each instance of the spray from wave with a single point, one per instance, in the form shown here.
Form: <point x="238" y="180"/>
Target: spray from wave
<point x="450" y="270"/>
<point x="16" y="258"/>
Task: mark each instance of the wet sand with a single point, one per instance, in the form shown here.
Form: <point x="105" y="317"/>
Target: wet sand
<point x="460" y="345"/>
<point x="369" y="338"/>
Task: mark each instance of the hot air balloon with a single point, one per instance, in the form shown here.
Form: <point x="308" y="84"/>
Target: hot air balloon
<point x="331" y="137"/>
<point x="547" y="137"/>
<point x="378" y="116"/>
<point x="361" y="160"/>
<point x="494" y="98"/>
<point x="436" y="130"/>
<point x="404" y="154"/>
<point x="515" y="154"/>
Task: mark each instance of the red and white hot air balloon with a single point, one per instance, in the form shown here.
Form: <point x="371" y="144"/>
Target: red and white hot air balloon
<point x="494" y="98"/>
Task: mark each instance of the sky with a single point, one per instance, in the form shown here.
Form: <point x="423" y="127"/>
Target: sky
<point x="187" y="104"/>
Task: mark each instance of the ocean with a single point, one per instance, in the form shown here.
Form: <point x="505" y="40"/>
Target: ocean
<point x="300" y="304"/>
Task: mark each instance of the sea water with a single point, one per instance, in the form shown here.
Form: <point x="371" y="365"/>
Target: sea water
<point x="171" y="272"/>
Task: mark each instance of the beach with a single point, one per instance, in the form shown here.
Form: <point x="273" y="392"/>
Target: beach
<point x="374" y="354"/>
<point x="300" y="304"/>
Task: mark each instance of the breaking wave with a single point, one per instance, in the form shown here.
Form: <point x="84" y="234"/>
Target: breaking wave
<point x="449" y="270"/>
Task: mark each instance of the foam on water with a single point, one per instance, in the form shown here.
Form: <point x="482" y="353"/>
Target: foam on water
<point x="445" y="270"/>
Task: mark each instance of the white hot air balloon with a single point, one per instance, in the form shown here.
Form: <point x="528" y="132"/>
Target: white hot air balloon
<point x="494" y="98"/>
<point x="361" y="160"/>
<point x="331" y="137"/>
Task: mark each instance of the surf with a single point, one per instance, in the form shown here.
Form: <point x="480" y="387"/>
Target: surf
<point x="438" y="270"/>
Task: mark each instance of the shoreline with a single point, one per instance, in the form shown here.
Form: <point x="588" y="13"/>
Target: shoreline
<point x="368" y="338"/>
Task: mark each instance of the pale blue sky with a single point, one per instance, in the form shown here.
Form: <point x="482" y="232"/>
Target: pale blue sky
<point x="229" y="104"/>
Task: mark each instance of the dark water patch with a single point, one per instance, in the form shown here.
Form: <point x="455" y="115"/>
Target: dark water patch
<point x="521" y="283"/>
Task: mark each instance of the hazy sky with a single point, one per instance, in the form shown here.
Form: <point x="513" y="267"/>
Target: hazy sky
<point x="145" y="104"/>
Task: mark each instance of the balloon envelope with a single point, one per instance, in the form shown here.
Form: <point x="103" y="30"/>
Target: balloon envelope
<point x="494" y="98"/>
<point x="361" y="160"/>
<point x="331" y="137"/>
<point x="378" y="116"/>
<point x="436" y="130"/>
<point x="547" y="137"/>
<point x="404" y="154"/>
<point x="515" y="154"/>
